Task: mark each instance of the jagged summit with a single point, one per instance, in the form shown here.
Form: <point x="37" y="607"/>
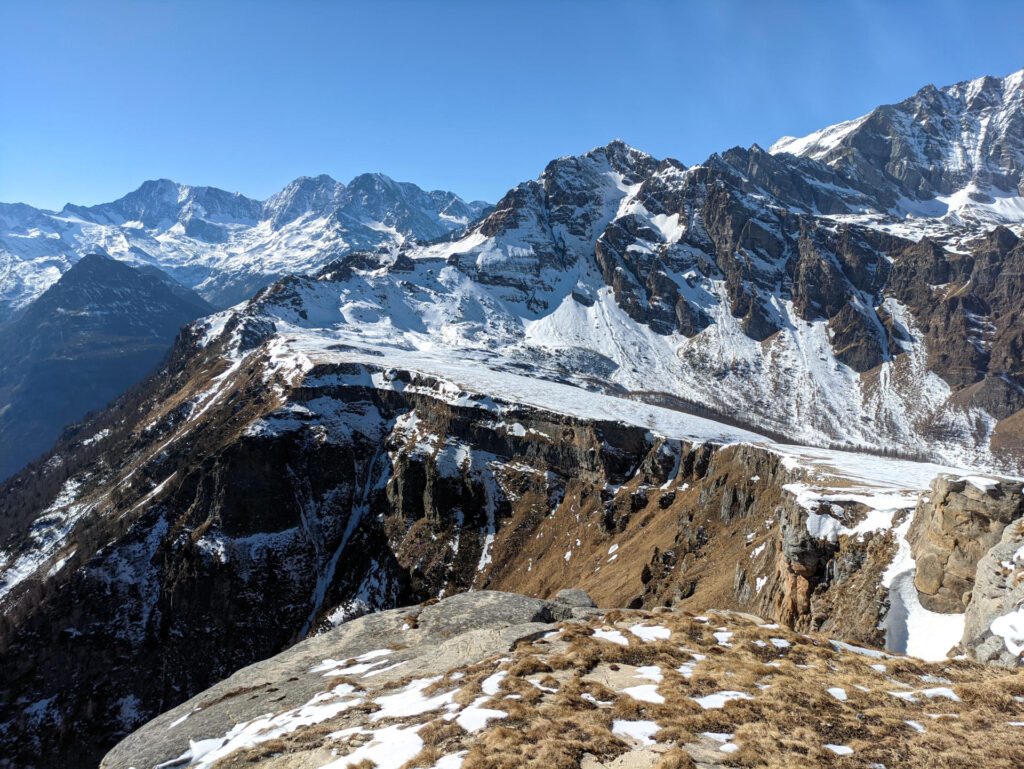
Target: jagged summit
<point x="300" y="197"/>
<point x="223" y="244"/>
<point x="617" y="154"/>
<point x="957" y="148"/>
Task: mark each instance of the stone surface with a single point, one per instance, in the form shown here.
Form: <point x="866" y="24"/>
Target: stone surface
<point x="953" y="527"/>
<point x="718" y="690"/>
<point x="426" y="640"/>
<point x="998" y="590"/>
<point x="576" y="598"/>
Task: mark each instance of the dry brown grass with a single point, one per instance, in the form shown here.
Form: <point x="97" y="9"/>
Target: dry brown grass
<point x="332" y="681"/>
<point x="786" y="724"/>
<point x="439" y="731"/>
<point x="676" y="758"/>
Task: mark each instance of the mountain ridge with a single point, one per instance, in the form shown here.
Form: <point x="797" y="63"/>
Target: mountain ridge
<point x="949" y="147"/>
<point x="100" y="328"/>
<point x="222" y="244"/>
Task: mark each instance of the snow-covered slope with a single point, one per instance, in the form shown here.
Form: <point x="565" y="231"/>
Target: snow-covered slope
<point x="222" y="244"/>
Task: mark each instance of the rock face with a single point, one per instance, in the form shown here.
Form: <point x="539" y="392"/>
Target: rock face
<point x="954" y="526"/>
<point x="905" y="149"/>
<point x="994" y="625"/>
<point x="796" y="561"/>
<point x="383" y="501"/>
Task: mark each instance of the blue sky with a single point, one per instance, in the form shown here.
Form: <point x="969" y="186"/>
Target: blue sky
<point x="96" y="97"/>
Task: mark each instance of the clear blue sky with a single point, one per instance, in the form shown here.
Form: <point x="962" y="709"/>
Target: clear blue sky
<point x="96" y="97"/>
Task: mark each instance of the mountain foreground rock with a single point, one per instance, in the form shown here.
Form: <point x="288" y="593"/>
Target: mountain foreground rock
<point x="498" y="680"/>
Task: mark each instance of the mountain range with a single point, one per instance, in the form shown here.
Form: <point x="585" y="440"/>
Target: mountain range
<point x="221" y="244"/>
<point x="785" y="382"/>
<point x="72" y="345"/>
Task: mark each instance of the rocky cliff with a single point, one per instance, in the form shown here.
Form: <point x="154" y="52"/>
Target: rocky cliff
<point x="238" y="505"/>
<point x="955" y="525"/>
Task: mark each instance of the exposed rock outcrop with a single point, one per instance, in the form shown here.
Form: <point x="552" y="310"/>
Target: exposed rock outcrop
<point x="954" y="526"/>
<point x="994" y="625"/>
<point x="418" y="641"/>
<point x="492" y="680"/>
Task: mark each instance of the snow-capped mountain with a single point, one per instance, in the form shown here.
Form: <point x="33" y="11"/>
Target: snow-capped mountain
<point x="955" y="153"/>
<point x="224" y="245"/>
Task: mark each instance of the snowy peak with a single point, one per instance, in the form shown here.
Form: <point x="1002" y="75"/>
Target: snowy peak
<point x="380" y="202"/>
<point x="453" y="208"/>
<point x="961" y="146"/>
<point x="591" y="169"/>
<point x="222" y="244"/>
<point x="543" y="231"/>
<point x="371" y="200"/>
<point x="161" y="203"/>
<point x="304" y="195"/>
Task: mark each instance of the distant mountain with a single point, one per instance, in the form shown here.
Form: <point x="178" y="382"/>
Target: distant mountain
<point x="100" y="328"/>
<point x="224" y="245"/>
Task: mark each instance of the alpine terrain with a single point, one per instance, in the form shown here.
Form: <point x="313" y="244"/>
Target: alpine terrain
<point x="767" y="411"/>
<point x="221" y="244"/>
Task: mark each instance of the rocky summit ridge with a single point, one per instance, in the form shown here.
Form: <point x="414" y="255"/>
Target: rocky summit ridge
<point x="221" y="244"/>
<point x="957" y="147"/>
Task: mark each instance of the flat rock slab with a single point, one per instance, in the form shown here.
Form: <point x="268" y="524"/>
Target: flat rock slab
<point x="418" y="641"/>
